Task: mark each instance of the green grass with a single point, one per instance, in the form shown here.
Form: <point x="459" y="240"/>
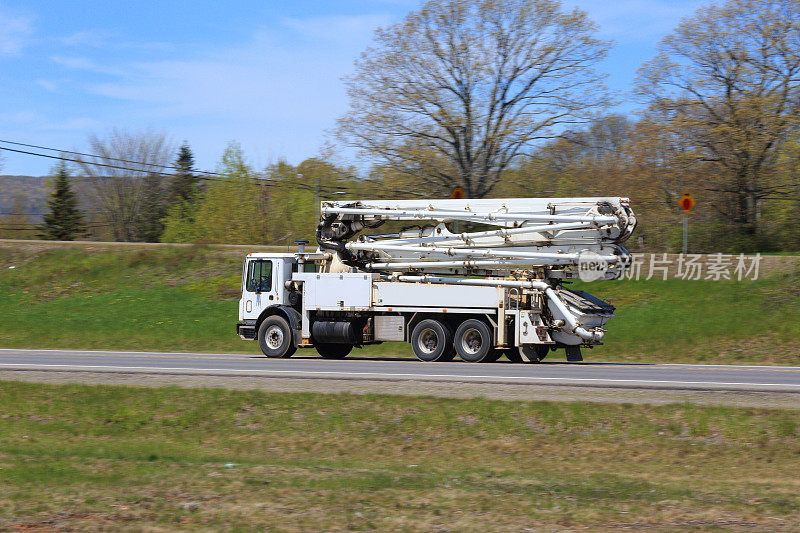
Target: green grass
<point x="103" y="457"/>
<point x="703" y="321"/>
<point x="164" y="299"/>
<point x="185" y="299"/>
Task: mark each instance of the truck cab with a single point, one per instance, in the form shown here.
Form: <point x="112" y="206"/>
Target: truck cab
<point x="263" y="283"/>
<point x="265" y="278"/>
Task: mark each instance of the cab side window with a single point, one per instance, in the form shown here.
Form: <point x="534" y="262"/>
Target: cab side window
<point x="259" y="276"/>
<point x="308" y="266"/>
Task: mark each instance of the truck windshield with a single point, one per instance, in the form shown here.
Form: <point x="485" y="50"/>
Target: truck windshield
<point x="259" y="276"/>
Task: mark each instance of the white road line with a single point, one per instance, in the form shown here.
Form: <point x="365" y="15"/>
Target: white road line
<point x="22" y="351"/>
<point x="393" y="376"/>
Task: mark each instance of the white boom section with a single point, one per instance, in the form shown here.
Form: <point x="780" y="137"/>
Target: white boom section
<point x="528" y="232"/>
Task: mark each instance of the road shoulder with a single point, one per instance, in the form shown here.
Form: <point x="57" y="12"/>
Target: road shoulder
<point x="512" y="392"/>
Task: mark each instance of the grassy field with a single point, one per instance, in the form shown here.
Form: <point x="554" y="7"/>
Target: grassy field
<point x="185" y="299"/>
<point x="108" y="458"/>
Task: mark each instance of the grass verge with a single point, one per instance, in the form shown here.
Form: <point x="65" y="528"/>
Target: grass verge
<point x="103" y="457"/>
<point x="185" y="299"/>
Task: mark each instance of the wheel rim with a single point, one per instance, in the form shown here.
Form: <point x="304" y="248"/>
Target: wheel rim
<point x="471" y="341"/>
<point x="274" y="337"/>
<point x="428" y="341"/>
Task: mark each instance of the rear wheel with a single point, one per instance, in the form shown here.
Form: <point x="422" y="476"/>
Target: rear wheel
<point x="333" y="351"/>
<point x="534" y="352"/>
<point x="432" y="340"/>
<point x="513" y="356"/>
<point x="473" y="341"/>
<point x="275" y="337"/>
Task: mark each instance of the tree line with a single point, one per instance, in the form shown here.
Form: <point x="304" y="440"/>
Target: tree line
<point x="507" y="99"/>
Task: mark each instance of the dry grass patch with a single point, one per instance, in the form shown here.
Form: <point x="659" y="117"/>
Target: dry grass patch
<point x="102" y="457"/>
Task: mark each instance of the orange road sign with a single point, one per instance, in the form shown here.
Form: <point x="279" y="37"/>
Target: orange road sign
<point x="686" y="202"/>
<point x="458" y="193"/>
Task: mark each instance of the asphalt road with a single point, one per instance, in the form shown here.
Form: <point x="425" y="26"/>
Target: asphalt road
<point x="617" y="375"/>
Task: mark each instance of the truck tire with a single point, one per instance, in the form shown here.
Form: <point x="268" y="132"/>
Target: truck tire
<point x="533" y="352"/>
<point x="333" y="351"/>
<point x="275" y="337"/>
<point x="473" y="341"/>
<point x="514" y="356"/>
<point x="432" y="341"/>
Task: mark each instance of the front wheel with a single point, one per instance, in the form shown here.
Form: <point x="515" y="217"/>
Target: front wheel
<point x="275" y="337"/>
<point x="473" y="341"/>
<point x="333" y="351"/>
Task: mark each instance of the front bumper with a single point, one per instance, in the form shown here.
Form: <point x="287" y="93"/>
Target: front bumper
<point x="246" y="330"/>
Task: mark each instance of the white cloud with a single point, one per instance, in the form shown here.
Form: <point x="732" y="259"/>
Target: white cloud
<point x="91" y="38"/>
<point x="14" y="32"/>
<point x="36" y="121"/>
<point x="78" y="124"/>
<point x="336" y="28"/>
<point x="87" y="64"/>
<point x="27" y="117"/>
<point x="47" y="85"/>
<point x="104" y="39"/>
<point x="280" y="90"/>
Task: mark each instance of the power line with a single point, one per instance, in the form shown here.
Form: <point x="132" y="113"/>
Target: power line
<point x="30" y="227"/>
<point x="262" y="181"/>
<point x="267" y="182"/>
<point x="109" y="158"/>
<point x="86" y="162"/>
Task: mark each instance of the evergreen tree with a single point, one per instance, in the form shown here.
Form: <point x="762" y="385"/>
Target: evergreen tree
<point x="184" y="198"/>
<point x="64" y="222"/>
<point x="185" y="184"/>
<point x="150" y="224"/>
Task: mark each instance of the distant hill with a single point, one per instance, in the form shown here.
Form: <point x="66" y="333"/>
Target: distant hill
<point x="28" y="191"/>
<point x="23" y="203"/>
<point x="31" y="193"/>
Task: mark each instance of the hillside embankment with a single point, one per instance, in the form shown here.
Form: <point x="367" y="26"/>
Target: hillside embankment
<point x="133" y="296"/>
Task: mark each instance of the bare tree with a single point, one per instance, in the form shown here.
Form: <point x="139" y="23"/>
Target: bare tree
<point x="460" y="89"/>
<point x="726" y="86"/>
<point x="124" y="172"/>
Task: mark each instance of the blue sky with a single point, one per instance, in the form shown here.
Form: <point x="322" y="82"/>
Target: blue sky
<point x="264" y="73"/>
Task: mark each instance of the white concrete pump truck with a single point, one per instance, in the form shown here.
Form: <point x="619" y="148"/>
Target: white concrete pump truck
<point x="496" y="288"/>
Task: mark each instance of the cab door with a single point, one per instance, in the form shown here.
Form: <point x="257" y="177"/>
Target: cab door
<point x="260" y="282"/>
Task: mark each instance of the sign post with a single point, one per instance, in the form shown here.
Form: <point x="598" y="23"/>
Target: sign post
<point x="686" y="202"/>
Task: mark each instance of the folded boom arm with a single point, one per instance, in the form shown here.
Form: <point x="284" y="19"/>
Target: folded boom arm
<point x="529" y="233"/>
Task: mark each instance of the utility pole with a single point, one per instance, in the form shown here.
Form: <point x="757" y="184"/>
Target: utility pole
<point x="685" y="233"/>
